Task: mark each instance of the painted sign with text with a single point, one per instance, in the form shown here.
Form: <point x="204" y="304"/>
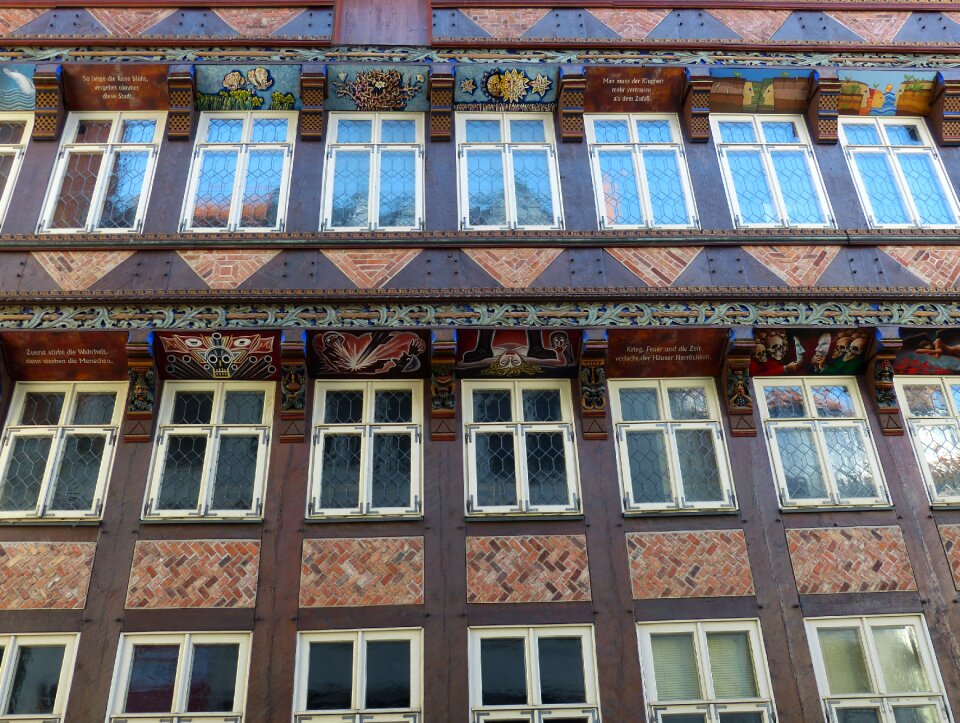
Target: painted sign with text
<point x="115" y="86"/>
<point x="61" y="356"/>
<point x="665" y="352"/>
<point x="633" y="90"/>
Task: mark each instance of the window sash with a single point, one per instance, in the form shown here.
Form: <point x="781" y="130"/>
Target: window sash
<point x="915" y="426"/>
<point x="11" y="645"/>
<point x="883" y="706"/>
<point x="710" y="712"/>
<point x="16" y="152"/>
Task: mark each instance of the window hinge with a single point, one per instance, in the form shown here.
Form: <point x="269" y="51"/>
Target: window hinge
<point x="626" y="502"/>
<point x="569" y="434"/>
<point x="323" y="225"/>
<point x="329" y="153"/>
<point x="560" y="222"/>
<point x="463" y="223"/>
<point x="576" y="502"/>
<point x="147" y="506"/>
<point x="266" y="436"/>
<point x="183" y="225"/>
<point x="258" y="508"/>
<point x="603" y="223"/>
<point x="419" y="224"/>
<point x="60" y="155"/>
<point x="619" y="434"/>
<point x="471" y="504"/>
<point x="417" y="504"/>
<point x="736" y="219"/>
<point x="281" y="225"/>
<point x="416" y="435"/>
<point x="98" y="508"/>
<point x="311" y="507"/>
<point x="139" y="225"/>
<point x="316" y="436"/>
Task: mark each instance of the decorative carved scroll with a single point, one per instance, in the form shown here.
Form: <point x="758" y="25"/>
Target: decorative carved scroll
<point x="880" y="380"/>
<point x="945" y="113"/>
<point x="49" y="115"/>
<point x="293" y="391"/>
<point x="313" y="89"/>
<point x="180" y="90"/>
<point x="570" y="99"/>
<point x="824" y="111"/>
<point x="593" y="384"/>
<point x="443" y="392"/>
<point x="736" y="383"/>
<point x="441" y="103"/>
<point x="696" y="109"/>
<point x="141" y="391"/>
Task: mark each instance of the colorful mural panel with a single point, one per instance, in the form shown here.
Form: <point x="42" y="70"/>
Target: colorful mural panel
<point x="16" y="88"/>
<point x="666" y="352"/>
<point x="805" y="351"/>
<point x="480" y="86"/>
<point x="759" y="90"/>
<point x="370" y="353"/>
<point x="934" y="351"/>
<point x="218" y="355"/>
<point x="248" y="87"/>
<point x="886" y="92"/>
<point x="378" y="87"/>
<point x="517" y="353"/>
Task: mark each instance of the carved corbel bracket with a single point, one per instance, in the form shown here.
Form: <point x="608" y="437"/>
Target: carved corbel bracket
<point x="945" y="113"/>
<point x="880" y="380"/>
<point x="180" y="93"/>
<point x="293" y="391"/>
<point x="49" y="115"/>
<point x="441" y="103"/>
<point x="593" y="384"/>
<point x="313" y="91"/>
<point x="573" y="88"/>
<point x="443" y="390"/>
<point x="696" y="108"/>
<point x="141" y="391"/>
<point x="823" y="111"/>
<point x="736" y="383"/>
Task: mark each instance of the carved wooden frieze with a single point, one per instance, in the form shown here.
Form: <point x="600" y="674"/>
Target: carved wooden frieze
<point x="141" y="392"/>
<point x="593" y="384"/>
<point x="293" y="391"/>
<point x="443" y="390"/>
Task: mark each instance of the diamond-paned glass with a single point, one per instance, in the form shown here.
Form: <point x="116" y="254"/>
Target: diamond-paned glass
<point x="939" y="445"/>
<point x="236" y="472"/>
<point x="737" y="132"/>
<point x="243" y="408"/>
<point x="42" y="409"/>
<point x="654" y="131"/>
<point x="11" y="132"/>
<point x="752" y="188"/>
<point x="392" y="470"/>
<point x="6" y="169"/>
<point x="639" y="405"/>
<point x="797" y="189"/>
<point x="485" y="188"/>
<point x="124" y="186"/>
<point x="340" y="471"/>
<point x="903" y="135"/>
<point x="649" y="469"/>
<point x="354" y="131"/>
<point x="218" y="170"/>
<point x="667" y="194"/>
<point x="925" y="400"/>
<point x="848" y="460"/>
<point x="861" y="134"/>
<point x="75" y="481"/>
<point x="688" y="403"/>
<point x="784" y="402"/>
<point x="192" y="408"/>
<point x="621" y="195"/>
<point x="534" y="195"/>
<point x="20" y="486"/>
<point x="94" y="408"/>
<point x="138" y="131"/>
<point x="780" y="132"/>
<point x="398" y="198"/>
<point x="926" y="189"/>
<point x="955" y="393"/>
<point x="699" y="470"/>
<point x="527" y="131"/>
<point x="182" y="472"/>
<point x="75" y="197"/>
<point x="542" y="405"/>
<point x="343" y="407"/>
<point x="261" y="190"/>
<point x="832" y="401"/>
<point x="35" y="680"/>
<point x="392" y="406"/>
<point x="546" y="468"/>
<point x="93" y="131"/>
<point x="496" y="470"/>
<point x="483" y="131"/>
<point x="225" y="130"/>
<point x="351" y="188"/>
<point x="611" y="131"/>
<point x="492" y="405"/>
<point x="878" y="180"/>
<point x="269" y="130"/>
<point x="398" y="131"/>
<point x="800" y="463"/>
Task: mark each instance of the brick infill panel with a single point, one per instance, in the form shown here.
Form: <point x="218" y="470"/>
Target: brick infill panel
<point x="355" y="572"/>
<point x="950" y="535"/>
<point x="194" y="574"/>
<point x="527" y="569"/>
<point x="45" y="575"/>
<point x="703" y="563"/>
<point x="850" y="559"/>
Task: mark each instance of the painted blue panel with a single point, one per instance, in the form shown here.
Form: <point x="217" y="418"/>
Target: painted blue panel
<point x="16" y="87"/>
<point x="189" y="23"/>
<point x="928" y="28"/>
<point x="377" y="87"/>
<point x="692" y="25"/>
<point x="63" y="22"/>
<point x="454" y="24"/>
<point x="814" y="26"/>
<point x="308" y="24"/>
<point x="570" y="24"/>
<point x="248" y="87"/>
<point x="481" y="86"/>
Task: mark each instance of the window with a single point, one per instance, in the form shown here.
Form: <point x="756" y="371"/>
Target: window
<point x="931" y="406"/>
<point x="769" y="171"/>
<point x="35" y="675"/>
<point x="670" y="445"/>
<point x="705" y="672"/>
<point x="639" y="172"/>
<point x="191" y="677"/>
<point x="508" y="171"/>
<point x="210" y="458"/>
<point x="898" y="172"/>
<point x="359" y="676"/>
<point x="374" y="172"/>
<point x="876" y="669"/>
<point x="58" y="448"/>
<point x="520" y="452"/>
<point x="366" y="458"/>
<point x="240" y="177"/>
<point x="15" y="130"/>
<point x="529" y="675"/>
<point x="104" y="172"/>
<point x="820" y="443"/>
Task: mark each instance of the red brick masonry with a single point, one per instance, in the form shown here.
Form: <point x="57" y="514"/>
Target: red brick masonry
<point x="45" y="575"/>
<point x="950" y="534"/>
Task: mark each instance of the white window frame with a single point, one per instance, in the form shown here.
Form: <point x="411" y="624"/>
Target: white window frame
<point x="636" y="149"/>
<point x="186" y="641"/>
<point x="891" y="151"/>
<point x="811" y="421"/>
<point x="243" y="148"/>
<point x="367" y="429"/>
<point x="879" y="698"/>
<point x="951" y="419"/>
<point x="376" y="146"/>
<point x="669" y="427"/>
<point x="535" y="711"/>
<point x="507" y="147"/>
<point x="11" y="644"/>
<point x="109" y="150"/>
<point x="519" y="429"/>
<point x="213" y="431"/>
<point x="709" y="705"/>
<point x="17" y="150"/>
<point x="58" y="432"/>
<point x="357" y="713"/>
<point x="765" y="149"/>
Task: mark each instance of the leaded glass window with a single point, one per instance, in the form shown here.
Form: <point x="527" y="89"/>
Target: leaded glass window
<point x="898" y="173"/>
<point x="876" y="669"/>
<point x="199" y="676"/>
<point x="210" y="458"/>
<point x="35" y="676"/>
<point x="58" y="448"/>
<point x="769" y="171"/>
<point x="358" y="675"/>
<point x="15" y="130"/>
<point x="508" y="171"/>
<point x="104" y="173"/>
<point x="533" y="673"/>
<point x="670" y="445"/>
<point x="366" y="458"/>
<point x="820" y="443"/>
<point x="520" y="452"/>
<point x="640" y="174"/>
<point x="374" y="172"/>
<point x="931" y="406"/>
<point x="240" y="177"/>
<point x="705" y="672"/>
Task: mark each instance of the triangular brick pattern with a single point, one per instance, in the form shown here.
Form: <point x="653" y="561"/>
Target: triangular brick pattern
<point x="814" y="26"/>
<point x="930" y="28"/>
<point x="226" y="269"/>
<point x="692" y="25"/>
<point x="633" y="24"/>
<point x="13" y="18"/>
<point x="45" y="575"/>
<point x="372" y="268"/>
<point x="192" y="22"/>
<point x="797" y="265"/>
<point x="527" y="569"/>
<point x="78" y="270"/>
<point x="570" y="23"/>
<point x="850" y="559"/>
<point x="64" y="21"/>
<point x="874" y="27"/>
<point x="514" y="268"/>
<point x="754" y="25"/>
<point x="939" y="266"/>
<point x="452" y="23"/>
<point x="128" y="23"/>
<point x="259" y="23"/>
<point x="657" y="267"/>
<point x="505" y="23"/>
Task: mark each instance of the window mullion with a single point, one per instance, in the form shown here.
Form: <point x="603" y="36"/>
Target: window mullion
<point x="825" y="467"/>
<point x="181" y="679"/>
<point x="643" y="186"/>
<point x="236" y="198"/>
<point x="520" y="466"/>
<point x="673" y="463"/>
<point x="510" y="195"/>
<point x="359" y="671"/>
<point x="534" y="694"/>
<point x="98" y="197"/>
<point x="904" y="188"/>
<point x="207" y="480"/>
<point x="873" y="658"/>
<point x="766" y="153"/>
<point x="373" y="189"/>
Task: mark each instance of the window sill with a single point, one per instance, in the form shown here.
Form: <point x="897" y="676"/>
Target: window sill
<point x="59" y="521"/>
<point x="207" y="519"/>
<point x="372" y="517"/>
<point x="503" y="516"/>
<point x="674" y="511"/>
<point x="836" y="508"/>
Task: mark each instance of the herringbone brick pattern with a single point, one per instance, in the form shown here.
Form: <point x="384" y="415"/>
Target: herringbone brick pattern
<point x="850" y="559"/>
<point x="12" y="18"/>
<point x="371" y="268"/>
<point x="527" y="569"/>
<point x="874" y="27"/>
<point x="226" y="270"/>
<point x="355" y="572"/>
<point x="705" y="563"/>
<point x="78" y="270"/>
<point x="45" y="575"/>
<point x="194" y="574"/>
<point x="127" y="22"/>
<point x="505" y="25"/>
<point x="950" y="534"/>
<point x="657" y="267"/>
<point x="630" y="24"/>
<point x="514" y="268"/>
<point x="798" y="266"/>
<point x="259" y="23"/>
<point x="756" y="25"/>
<point x="939" y="266"/>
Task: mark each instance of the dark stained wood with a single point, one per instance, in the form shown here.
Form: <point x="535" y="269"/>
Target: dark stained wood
<point x="373" y="22"/>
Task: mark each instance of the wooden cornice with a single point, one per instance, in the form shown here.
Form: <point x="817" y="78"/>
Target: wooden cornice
<point x="857" y="5"/>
